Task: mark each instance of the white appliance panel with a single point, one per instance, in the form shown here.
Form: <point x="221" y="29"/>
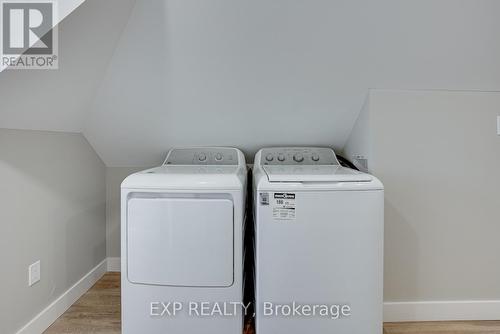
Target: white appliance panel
<point x="331" y="252"/>
<point x="180" y="241"/>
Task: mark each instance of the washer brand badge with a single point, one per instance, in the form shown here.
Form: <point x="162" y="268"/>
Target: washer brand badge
<point x="29" y="40"/>
<point x="284" y="196"/>
<point x="284" y="206"/>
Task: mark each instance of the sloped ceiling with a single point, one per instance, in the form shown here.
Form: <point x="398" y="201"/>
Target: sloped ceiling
<point x="59" y="100"/>
<point x="252" y="73"/>
<point x="256" y="73"/>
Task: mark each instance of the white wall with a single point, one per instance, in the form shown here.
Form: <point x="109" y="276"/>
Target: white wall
<point x="244" y="73"/>
<point x="438" y="155"/>
<point x="52" y="210"/>
<point x="281" y="72"/>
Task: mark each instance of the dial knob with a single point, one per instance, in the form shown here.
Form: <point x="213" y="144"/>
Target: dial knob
<point x="298" y="157"/>
<point x="218" y="156"/>
<point x="315" y="157"/>
<point x="281" y="157"/>
<point x="269" y="157"/>
<point x="202" y="157"/>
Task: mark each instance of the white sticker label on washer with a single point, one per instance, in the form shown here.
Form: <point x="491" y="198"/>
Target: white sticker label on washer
<point x="284" y="206"/>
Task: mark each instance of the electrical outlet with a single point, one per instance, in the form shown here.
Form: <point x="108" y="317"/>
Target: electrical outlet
<point x="361" y="162"/>
<point x="34" y="273"/>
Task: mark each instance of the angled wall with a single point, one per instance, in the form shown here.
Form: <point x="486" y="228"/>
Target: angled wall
<point x="438" y="155"/>
<point x="53" y="210"/>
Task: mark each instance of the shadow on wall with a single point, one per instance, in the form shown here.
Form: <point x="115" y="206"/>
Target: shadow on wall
<point x="81" y="236"/>
<point x="402" y="246"/>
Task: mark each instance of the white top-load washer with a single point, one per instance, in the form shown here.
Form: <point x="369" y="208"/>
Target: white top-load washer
<point x="319" y="244"/>
<point x="181" y="244"/>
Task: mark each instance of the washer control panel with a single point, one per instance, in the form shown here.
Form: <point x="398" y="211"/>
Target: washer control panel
<point x="202" y="156"/>
<point x="298" y="156"/>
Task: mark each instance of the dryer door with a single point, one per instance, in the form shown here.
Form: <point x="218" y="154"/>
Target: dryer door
<point x="180" y="241"/>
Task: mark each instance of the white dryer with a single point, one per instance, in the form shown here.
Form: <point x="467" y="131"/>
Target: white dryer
<point x="181" y="244"/>
<point x="319" y="244"/>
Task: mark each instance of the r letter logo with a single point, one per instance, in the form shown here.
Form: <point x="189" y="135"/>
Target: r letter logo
<point x="28" y="39"/>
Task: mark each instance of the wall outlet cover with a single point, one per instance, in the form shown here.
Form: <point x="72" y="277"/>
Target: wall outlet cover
<point x="34" y="273"/>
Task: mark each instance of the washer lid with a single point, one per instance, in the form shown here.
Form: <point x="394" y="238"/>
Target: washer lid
<point x="311" y="173"/>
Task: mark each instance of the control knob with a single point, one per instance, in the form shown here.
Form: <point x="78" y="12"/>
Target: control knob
<point x="298" y="157"/>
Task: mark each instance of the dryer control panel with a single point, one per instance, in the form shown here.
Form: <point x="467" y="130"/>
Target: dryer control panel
<point x="298" y="156"/>
<point x="205" y="156"/>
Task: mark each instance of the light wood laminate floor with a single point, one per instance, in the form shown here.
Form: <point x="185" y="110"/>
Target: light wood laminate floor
<point x="98" y="312"/>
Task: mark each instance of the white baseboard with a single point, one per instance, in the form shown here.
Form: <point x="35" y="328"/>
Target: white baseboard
<point x="114" y="264"/>
<point x="442" y="310"/>
<point x="44" y="319"/>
